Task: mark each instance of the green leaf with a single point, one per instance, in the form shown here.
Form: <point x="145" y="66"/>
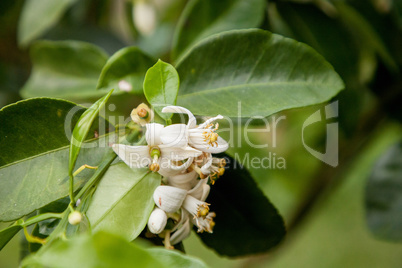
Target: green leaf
<point x="161" y="86"/>
<point x="174" y="258"/>
<point x="123" y="201"/>
<point x="38" y="16"/>
<point x="266" y="72"/>
<point x="64" y="69"/>
<point x="384" y="196"/>
<point x="82" y="128"/>
<point x="128" y="64"/>
<point x="7" y="234"/>
<point x="203" y="18"/>
<point x="35" y="138"/>
<point x="105" y="250"/>
<point x="246" y="221"/>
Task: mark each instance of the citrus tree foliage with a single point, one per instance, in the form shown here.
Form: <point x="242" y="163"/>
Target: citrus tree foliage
<point x="82" y="184"/>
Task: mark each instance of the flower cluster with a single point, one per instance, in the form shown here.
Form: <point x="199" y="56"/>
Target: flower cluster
<point x="182" y="154"/>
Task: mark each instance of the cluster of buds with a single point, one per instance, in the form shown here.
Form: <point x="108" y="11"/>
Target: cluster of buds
<point x="182" y="154"/>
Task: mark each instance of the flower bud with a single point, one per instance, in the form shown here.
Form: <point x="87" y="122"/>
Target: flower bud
<point x="157" y="221"/>
<point x="74" y="218"/>
<point x="169" y="198"/>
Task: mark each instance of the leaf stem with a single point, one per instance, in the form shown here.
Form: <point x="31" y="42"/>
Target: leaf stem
<point x="41" y="217"/>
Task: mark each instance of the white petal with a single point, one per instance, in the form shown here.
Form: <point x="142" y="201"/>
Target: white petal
<point x="181" y="110"/>
<point x="193" y="205"/>
<point x="178" y="154"/>
<point x="184" y="181"/>
<point x="201" y="190"/>
<point x="133" y="156"/>
<point x="167" y="168"/>
<point x="175" y="135"/>
<point x="222" y="146"/>
<point x="157" y="221"/>
<point x="153" y="133"/>
<point x="182" y="233"/>
<point x="205" y="192"/>
<point x="169" y="198"/>
<point x="205" y="168"/>
<point x="209" y="121"/>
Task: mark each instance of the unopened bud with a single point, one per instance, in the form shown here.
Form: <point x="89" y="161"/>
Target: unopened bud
<point x="169" y="198"/>
<point x="157" y="221"/>
<point x="75" y="218"/>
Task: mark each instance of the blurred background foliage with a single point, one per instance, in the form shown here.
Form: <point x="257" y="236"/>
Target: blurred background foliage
<point x="325" y="208"/>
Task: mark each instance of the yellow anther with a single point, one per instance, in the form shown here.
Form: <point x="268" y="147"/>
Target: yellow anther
<point x="154" y="167"/>
<point x="213" y="138"/>
<point x="204" y="212"/>
<point x="221" y="171"/>
<point x="222" y="163"/>
<point x="212" y="225"/>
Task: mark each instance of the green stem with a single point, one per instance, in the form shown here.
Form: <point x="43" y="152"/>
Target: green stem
<point x="98" y="174"/>
<point x="71" y="189"/>
<point x="41" y="217"/>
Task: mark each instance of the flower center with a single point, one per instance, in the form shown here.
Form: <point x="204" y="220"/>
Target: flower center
<point x="203" y="210"/>
<point x="142" y="113"/>
<point x="210" y="135"/>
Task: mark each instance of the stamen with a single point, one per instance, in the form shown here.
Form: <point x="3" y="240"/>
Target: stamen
<point x="202" y="210"/>
<point x="142" y="113"/>
<point x="198" y="170"/>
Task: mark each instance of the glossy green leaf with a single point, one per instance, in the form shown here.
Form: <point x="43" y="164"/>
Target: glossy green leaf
<point x="7" y="234"/>
<point x="82" y="128"/>
<point x="246" y="221"/>
<point x="64" y="69"/>
<point x="123" y="201"/>
<point x="129" y="65"/>
<point x="264" y="73"/>
<point x="38" y="16"/>
<point x="384" y="196"/>
<point x="161" y="86"/>
<point x="203" y="18"/>
<point x="35" y="137"/>
<point x="108" y="251"/>
<point x="310" y="25"/>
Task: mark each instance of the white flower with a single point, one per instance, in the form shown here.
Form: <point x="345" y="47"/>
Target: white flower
<point x="212" y="167"/>
<point x="157" y="221"/>
<point x="202" y="137"/>
<point x="171" y="199"/>
<point x="156" y="155"/>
